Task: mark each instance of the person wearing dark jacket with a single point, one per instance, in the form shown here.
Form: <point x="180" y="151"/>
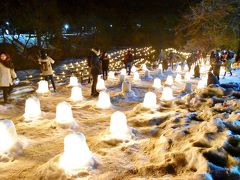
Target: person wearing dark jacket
<point x="7" y="75"/>
<point x="171" y="59"/>
<point x="128" y="61"/>
<point x="165" y="64"/>
<point x="216" y="67"/>
<point x="105" y="63"/>
<point x="197" y="71"/>
<point x="95" y="69"/>
<point x="212" y="59"/>
<point x="212" y="79"/>
<point x="190" y="61"/>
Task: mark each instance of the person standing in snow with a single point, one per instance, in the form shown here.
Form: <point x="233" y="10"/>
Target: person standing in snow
<point x="171" y="59"/>
<point x="7" y="75"/>
<point x="227" y="59"/>
<point x="95" y="69"/>
<point x="199" y="56"/>
<point x="105" y="63"/>
<point x="161" y="57"/>
<point x="190" y="61"/>
<point x="212" y="79"/>
<point x="128" y="61"/>
<point x="46" y="67"/>
<point x="216" y="67"/>
<point x="212" y="59"/>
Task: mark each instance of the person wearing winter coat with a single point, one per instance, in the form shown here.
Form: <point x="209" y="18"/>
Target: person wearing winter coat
<point x="216" y="67"/>
<point x="171" y="59"/>
<point x="165" y="64"/>
<point x="46" y="67"/>
<point x="212" y="59"/>
<point x="7" y="75"/>
<point x="105" y="63"/>
<point x="228" y="60"/>
<point x="212" y="79"/>
<point x="161" y="57"/>
<point x="190" y="61"/>
<point x="197" y="71"/>
<point x="128" y="61"/>
<point x="95" y="69"/>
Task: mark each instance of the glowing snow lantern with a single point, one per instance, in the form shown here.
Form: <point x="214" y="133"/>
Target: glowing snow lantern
<point x="123" y="75"/>
<point x="208" y="68"/>
<point x="150" y="100"/>
<point x="186" y="68"/>
<point x="64" y="115"/>
<point x="77" y="155"/>
<point x="104" y="101"/>
<point x="169" y="80"/>
<point x="118" y="126"/>
<point x="100" y="84"/>
<point x="167" y="94"/>
<point x="179" y="68"/>
<point x="187" y="76"/>
<point x="8" y="136"/>
<point x="136" y="76"/>
<point x="201" y="84"/>
<point x="32" y="108"/>
<point x="123" y="72"/>
<point x="73" y="81"/>
<point x="204" y="79"/>
<point x="207" y="62"/>
<point x="111" y="75"/>
<point x="178" y="78"/>
<point x="134" y="69"/>
<point x="144" y="67"/>
<point x="76" y="94"/>
<point x="157" y="83"/>
<point x="42" y="87"/>
<point x="203" y="69"/>
<point x="160" y="66"/>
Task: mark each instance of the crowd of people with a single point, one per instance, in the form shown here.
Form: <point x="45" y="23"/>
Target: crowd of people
<point x="98" y="63"/>
<point x="218" y="59"/>
<point x="223" y="58"/>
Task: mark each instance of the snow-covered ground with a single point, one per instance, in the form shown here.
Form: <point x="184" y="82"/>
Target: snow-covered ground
<point x="194" y="136"/>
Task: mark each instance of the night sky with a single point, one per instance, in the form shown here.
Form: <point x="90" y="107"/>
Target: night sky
<point x="136" y="9"/>
<point x="157" y="18"/>
<point x="111" y="9"/>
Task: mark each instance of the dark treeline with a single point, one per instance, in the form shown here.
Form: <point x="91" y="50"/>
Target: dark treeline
<point x="118" y="23"/>
<point x="136" y="22"/>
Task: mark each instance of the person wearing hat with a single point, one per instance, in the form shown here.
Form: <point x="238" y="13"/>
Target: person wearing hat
<point x="46" y="67"/>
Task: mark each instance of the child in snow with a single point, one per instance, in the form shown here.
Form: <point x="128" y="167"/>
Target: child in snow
<point x="7" y="75"/>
